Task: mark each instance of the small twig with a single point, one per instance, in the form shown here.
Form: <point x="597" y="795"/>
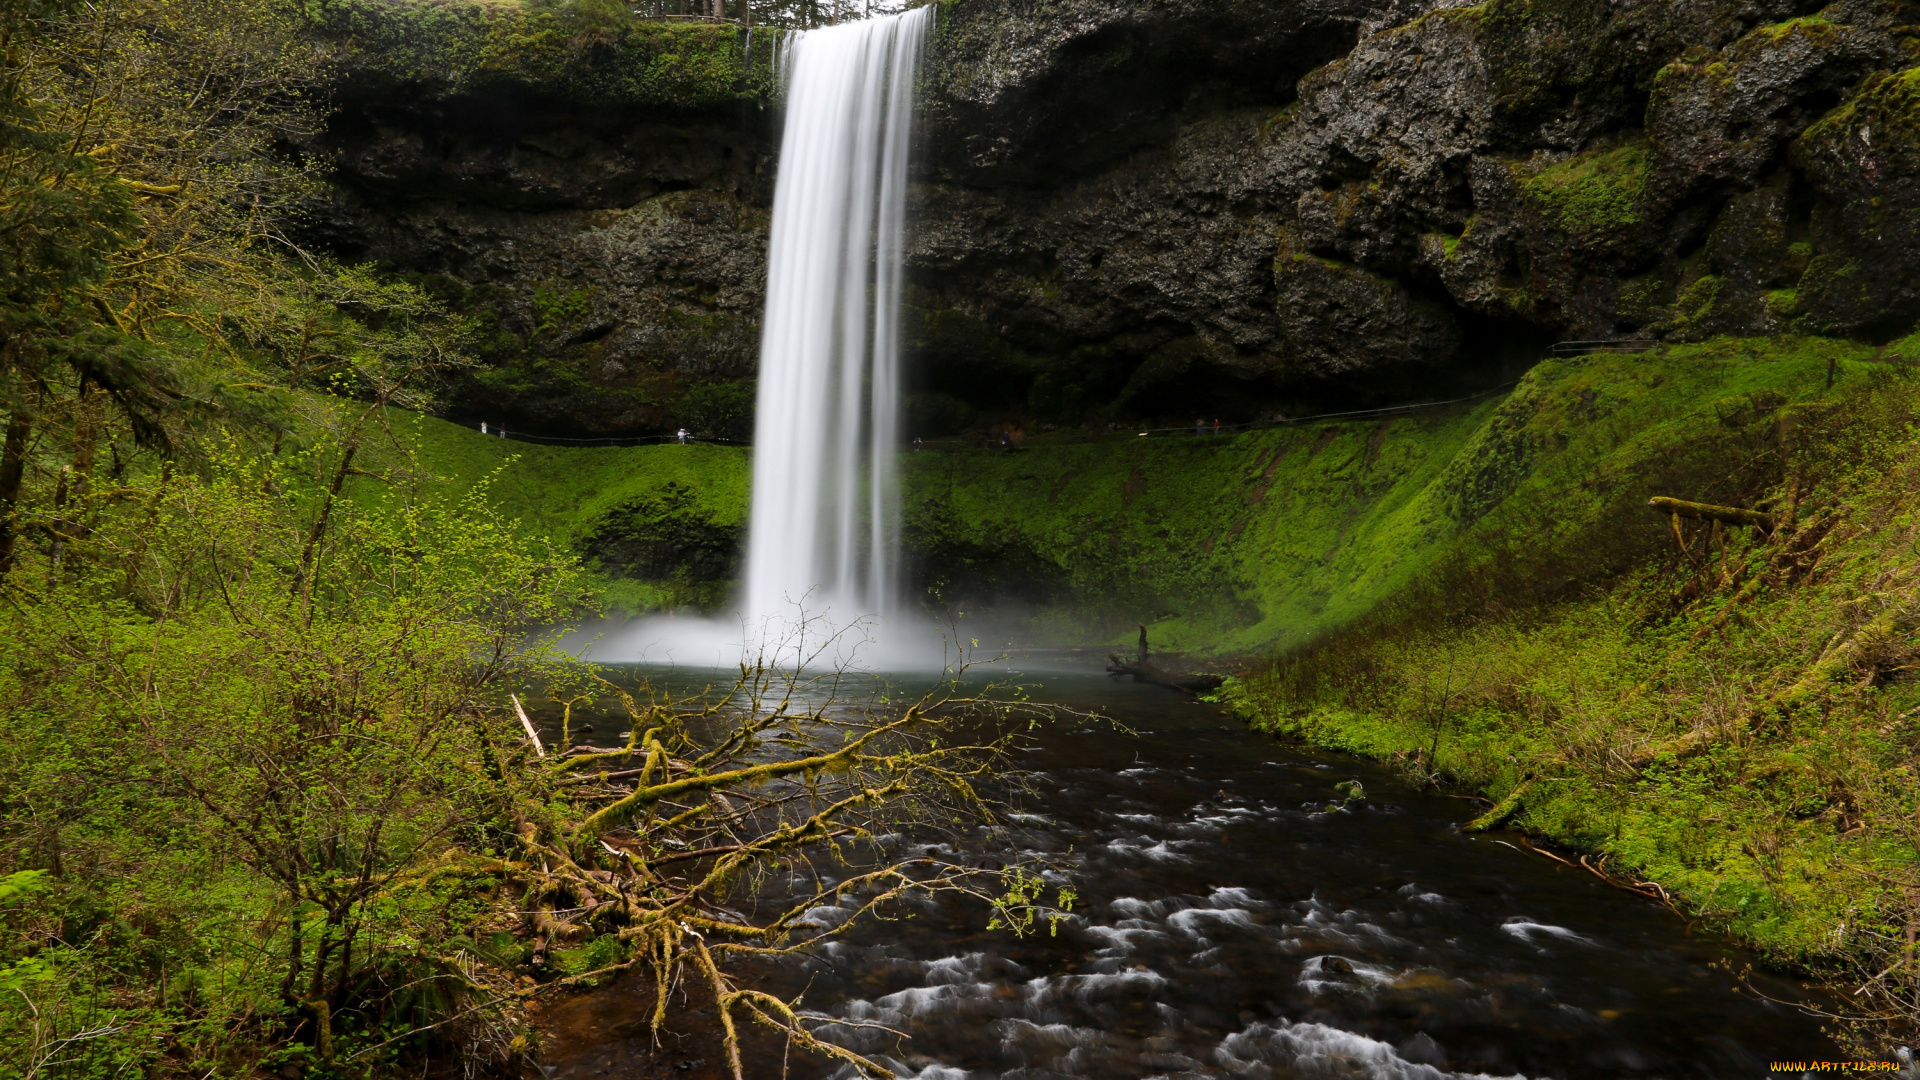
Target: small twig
<point x="532" y="735"/>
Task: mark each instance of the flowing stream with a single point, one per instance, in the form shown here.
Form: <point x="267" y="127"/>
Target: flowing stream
<point x="1239" y="918"/>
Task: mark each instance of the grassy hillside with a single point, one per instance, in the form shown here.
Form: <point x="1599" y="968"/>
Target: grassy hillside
<point x="660" y="525"/>
<point x="1228" y="542"/>
<point x="1732" y="724"/>
<point x="1273" y="538"/>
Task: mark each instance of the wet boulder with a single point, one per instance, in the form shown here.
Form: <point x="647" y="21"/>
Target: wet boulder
<point x="1725" y="117"/>
<point x="1863" y="161"/>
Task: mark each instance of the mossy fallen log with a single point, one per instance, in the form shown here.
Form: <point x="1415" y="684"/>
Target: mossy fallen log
<point x="1502" y="810"/>
<point x="1731" y="515"/>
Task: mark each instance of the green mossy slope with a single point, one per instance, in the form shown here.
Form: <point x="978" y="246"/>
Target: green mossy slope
<point x="1734" y="722"/>
<point x="1220" y="542"/>
<point x="1273" y="538"/>
<point x="1225" y="544"/>
<point x="665" y="510"/>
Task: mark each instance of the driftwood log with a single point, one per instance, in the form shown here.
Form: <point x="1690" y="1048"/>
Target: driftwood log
<point x="1144" y="670"/>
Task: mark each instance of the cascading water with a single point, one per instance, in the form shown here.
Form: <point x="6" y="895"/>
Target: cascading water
<point x="822" y="551"/>
<point x="823" y="531"/>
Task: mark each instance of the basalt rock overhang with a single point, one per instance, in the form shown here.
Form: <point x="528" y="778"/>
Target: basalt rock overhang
<point x="1153" y="208"/>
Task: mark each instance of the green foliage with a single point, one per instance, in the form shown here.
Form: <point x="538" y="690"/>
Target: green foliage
<point x="595" y="52"/>
<point x="244" y="713"/>
<point x="557" y="308"/>
<point x="1596" y="195"/>
<point x="232" y="736"/>
<point x="1022" y="907"/>
<point x="22" y="885"/>
<point x="597" y="953"/>
<point x="1733" y="722"/>
<point x="65" y="213"/>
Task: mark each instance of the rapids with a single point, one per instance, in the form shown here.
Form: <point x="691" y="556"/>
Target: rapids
<point x="1238" y="917"/>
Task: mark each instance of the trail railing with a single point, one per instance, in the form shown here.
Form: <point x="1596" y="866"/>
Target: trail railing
<point x="1617" y="345"/>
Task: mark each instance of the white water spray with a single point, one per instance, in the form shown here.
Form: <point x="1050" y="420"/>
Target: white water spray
<point x="825" y="520"/>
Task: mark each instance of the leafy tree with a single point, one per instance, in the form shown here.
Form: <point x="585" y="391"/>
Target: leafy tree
<point x="212" y="691"/>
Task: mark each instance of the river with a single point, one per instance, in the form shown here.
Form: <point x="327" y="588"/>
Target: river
<point x="1238" y="917"/>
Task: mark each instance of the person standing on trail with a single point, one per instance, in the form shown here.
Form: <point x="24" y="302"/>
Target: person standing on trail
<point x="681" y="435"/>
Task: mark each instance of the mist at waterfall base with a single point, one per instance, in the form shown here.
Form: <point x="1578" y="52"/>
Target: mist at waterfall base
<point x="822" y="581"/>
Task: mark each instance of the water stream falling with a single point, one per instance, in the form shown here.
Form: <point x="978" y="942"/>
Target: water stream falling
<point x="823" y="531"/>
<point x="823" y="536"/>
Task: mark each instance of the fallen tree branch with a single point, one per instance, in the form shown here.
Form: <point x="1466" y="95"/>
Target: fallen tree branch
<point x="1731" y="515"/>
<point x="532" y="735"/>
<point x="1502" y="810"/>
<point x="1143" y="670"/>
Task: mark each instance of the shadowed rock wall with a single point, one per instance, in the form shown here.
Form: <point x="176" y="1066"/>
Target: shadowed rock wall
<point x="1156" y="209"/>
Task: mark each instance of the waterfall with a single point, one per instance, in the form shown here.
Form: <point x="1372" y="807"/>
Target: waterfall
<point x="823" y="531"/>
<point x="823" y="535"/>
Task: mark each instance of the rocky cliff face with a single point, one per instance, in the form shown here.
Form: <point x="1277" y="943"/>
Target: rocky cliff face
<point x="597" y="195"/>
<point x="1154" y="208"/>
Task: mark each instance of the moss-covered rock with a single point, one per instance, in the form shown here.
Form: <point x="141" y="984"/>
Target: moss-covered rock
<point x="1597" y="198"/>
<point x="1863" y="159"/>
<point x="1725" y="117"/>
<point x="599" y="55"/>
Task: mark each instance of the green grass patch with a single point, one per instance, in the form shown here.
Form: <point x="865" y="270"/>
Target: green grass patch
<point x="672" y="513"/>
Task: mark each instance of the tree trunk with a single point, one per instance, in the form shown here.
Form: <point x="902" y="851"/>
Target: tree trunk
<point x="61" y="525"/>
<point x="295" y="953"/>
<point x="303" y="583"/>
<point x="13" y="471"/>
